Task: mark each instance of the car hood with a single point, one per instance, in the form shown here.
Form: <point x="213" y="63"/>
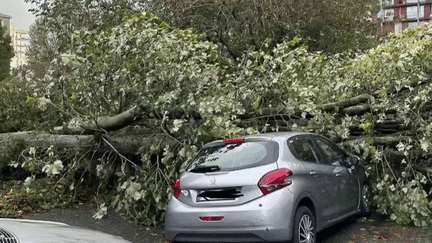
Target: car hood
<point x="35" y="231"/>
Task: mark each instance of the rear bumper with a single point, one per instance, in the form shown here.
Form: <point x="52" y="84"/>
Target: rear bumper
<point x="267" y="218"/>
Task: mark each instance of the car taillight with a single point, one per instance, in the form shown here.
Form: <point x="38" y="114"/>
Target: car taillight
<point x="217" y="218"/>
<point x="176" y="189"/>
<point x="275" y="180"/>
<point x="233" y="140"/>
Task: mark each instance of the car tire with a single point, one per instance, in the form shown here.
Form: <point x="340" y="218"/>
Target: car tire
<point x="365" y="200"/>
<point x="304" y="226"/>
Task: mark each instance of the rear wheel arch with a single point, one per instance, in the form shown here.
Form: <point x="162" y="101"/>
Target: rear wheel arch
<point x="361" y="174"/>
<point x="307" y="202"/>
<point x="305" y="199"/>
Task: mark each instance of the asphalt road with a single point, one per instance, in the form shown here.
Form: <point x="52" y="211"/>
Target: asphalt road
<point x="373" y="229"/>
<point x="112" y="223"/>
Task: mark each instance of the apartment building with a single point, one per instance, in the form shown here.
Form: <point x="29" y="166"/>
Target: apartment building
<point x="5" y="21"/>
<point x="397" y="15"/>
<point x="20" y="43"/>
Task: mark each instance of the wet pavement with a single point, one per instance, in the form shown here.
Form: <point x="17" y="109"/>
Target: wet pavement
<point x="373" y="229"/>
<point x="112" y="223"/>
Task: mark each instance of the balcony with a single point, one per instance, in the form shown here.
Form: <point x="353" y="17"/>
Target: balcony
<point x="399" y="4"/>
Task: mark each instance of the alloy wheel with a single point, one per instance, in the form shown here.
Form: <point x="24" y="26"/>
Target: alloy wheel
<point x="306" y="233"/>
<point x="366" y="203"/>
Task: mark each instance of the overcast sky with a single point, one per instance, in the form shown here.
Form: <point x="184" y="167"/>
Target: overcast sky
<point x="17" y="9"/>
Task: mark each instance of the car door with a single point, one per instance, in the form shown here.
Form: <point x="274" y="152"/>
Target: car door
<point x="346" y="177"/>
<point x="317" y="176"/>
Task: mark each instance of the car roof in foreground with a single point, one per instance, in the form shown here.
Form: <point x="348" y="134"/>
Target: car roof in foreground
<point x="263" y="136"/>
<point x="38" y="231"/>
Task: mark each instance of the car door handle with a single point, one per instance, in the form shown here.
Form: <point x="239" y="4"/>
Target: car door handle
<point x="338" y="174"/>
<point x="312" y="173"/>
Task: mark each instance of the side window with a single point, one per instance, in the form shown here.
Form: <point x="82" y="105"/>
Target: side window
<point x="301" y="148"/>
<point x="334" y="156"/>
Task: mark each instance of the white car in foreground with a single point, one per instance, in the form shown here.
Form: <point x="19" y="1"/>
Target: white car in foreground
<point x="36" y="231"/>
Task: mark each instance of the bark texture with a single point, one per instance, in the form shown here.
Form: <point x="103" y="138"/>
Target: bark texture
<point x="128" y="144"/>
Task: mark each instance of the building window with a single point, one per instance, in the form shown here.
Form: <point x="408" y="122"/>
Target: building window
<point x="388" y="2"/>
<point x="415" y="24"/>
<point x="387" y="15"/>
<point x="412" y="12"/>
<point x="412" y="25"/>
<point x="415" y="1"/>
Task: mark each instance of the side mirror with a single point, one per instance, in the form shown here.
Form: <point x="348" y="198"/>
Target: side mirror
<point x="353" y="160"/>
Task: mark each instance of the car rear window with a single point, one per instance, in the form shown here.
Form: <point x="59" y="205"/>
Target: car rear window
<point x="237" y="156"/>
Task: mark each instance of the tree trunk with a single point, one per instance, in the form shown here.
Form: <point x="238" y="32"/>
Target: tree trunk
<point x="344" y="103"/>
<point x="127" y="144"/>
<point x="106" y="123"/>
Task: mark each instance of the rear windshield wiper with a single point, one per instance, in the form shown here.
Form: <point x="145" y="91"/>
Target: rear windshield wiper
<point x="204" y="169"/>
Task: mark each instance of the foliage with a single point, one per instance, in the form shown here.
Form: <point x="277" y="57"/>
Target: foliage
<point x="399" y="75"/>
<point x="143" y="61"/>
<point x="9" y="151"/>
<point x="170" y="69"/>
<point x="404" y="200"/>
<point x="6" y="52"/>
<point x="19" y="107"/>
<point x="144" y="197"/>
<point x="332" y="25"/>
<point x="34" y="161"/>
<point x="54" y="178"/>
<point x="58" y="19"/>
<point x="20" y="198"/>
<point x="400" y="189"/>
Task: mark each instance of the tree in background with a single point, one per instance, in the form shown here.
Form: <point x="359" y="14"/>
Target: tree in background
<point x="6" y="53"/>
<point x="58" y="19"/>
<point x="42" y="49"/>
<point x="235" y="25"/>
<point x="331" y="26"/>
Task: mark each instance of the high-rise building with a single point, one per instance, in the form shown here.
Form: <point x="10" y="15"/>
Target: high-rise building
<point x="397" y="15"/>
<point x="20" y="42"/>
<point x="5" y="21"/>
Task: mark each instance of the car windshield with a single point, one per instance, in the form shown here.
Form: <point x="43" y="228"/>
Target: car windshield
<point x="235" y="156"/>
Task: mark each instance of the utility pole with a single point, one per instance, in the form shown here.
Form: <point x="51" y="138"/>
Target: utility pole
<point x="382" y="12"/>
<point x="418" y="13"/>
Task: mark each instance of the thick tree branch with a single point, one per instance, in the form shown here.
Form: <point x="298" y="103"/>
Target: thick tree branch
<point x="344" y="103"/>
<point x="125" y="144"/>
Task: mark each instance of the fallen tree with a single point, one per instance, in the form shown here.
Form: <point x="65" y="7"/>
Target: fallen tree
<point x="124" y="144"/>
<point x="150" y="95"/>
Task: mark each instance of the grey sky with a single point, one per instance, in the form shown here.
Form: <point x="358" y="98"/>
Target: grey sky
<point x="17" y="9"/>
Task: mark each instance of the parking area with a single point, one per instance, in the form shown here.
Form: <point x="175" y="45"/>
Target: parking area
<point x="353" y="230"/>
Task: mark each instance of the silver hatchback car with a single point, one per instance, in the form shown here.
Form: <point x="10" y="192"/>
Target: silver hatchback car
<point x="272" y="187"/>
